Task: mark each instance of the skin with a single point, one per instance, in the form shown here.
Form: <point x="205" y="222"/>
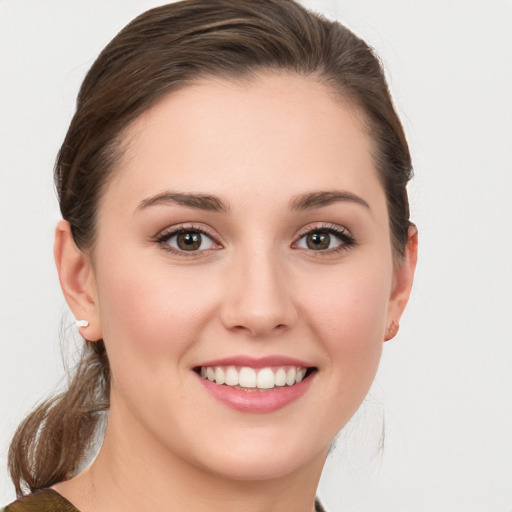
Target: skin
<point x="257" y="290"/>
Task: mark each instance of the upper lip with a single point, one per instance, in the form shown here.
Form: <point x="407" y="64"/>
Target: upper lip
<point x="256" y="362"/>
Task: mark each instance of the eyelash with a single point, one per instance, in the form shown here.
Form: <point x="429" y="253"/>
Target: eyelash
<point x="345" y="238"/>
<point x="163" y="240"/>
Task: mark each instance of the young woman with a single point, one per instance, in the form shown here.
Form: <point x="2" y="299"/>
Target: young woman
<point x="235" y="247"/>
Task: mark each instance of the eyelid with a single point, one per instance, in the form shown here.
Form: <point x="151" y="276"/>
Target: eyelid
<point x="347" y="239"/>
<point x="161" y="237"/>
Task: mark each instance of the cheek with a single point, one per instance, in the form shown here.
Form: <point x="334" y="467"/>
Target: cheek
<point x="351" y="303"/>
<point x="149" y="318"/>
<point x="348" y="311"/>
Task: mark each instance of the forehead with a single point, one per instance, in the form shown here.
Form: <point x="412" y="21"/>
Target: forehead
<point x="249" y="137"/>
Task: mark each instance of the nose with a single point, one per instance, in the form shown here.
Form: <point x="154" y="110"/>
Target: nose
<point x="258" y="299"/>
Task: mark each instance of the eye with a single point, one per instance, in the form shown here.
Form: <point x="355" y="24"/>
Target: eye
<point x="326" y="239"/>
<point x="186" y="240"/>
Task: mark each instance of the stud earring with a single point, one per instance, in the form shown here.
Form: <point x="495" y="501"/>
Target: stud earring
<point x="392" y="330"/>
<point x="82" y="323"/>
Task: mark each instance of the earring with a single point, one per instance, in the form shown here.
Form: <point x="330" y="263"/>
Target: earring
<point x="392" y="330"/>
<point x="82" y="323"/>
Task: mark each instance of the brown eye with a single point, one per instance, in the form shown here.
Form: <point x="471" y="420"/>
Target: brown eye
<point x="188" y="241"/>
<point x="326" y="239"/>
<point x="318" y="241"/>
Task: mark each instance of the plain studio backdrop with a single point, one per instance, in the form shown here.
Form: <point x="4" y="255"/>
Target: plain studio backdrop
<point x="444" y="389"/>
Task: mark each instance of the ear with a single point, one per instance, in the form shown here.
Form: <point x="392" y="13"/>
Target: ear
<point x="77" y="280"/>
<point x="402" y="282"/>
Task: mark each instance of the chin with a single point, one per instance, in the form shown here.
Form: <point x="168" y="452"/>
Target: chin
<point x="259" y="469"/>
<point x="257" y="459"/>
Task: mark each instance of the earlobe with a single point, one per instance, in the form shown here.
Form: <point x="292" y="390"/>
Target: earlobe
<point x="402" y="283"/>
<point x="76" y="276"/>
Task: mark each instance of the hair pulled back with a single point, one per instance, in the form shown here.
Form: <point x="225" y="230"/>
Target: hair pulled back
<point x="161" y="51"/>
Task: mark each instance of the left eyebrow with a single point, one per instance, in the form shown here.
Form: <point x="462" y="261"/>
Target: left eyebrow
<point x="313" y="200"/>
<point x="200" y="201"/>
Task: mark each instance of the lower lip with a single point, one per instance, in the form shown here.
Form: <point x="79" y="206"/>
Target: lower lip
<point x="257" y="401"/>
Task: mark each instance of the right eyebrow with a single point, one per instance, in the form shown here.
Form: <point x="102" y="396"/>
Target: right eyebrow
<point x="316" y="200"/>
<point x="200" y="201"/>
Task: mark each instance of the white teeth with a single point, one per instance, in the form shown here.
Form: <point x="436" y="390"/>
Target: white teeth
<point x="220" y="376"/>
<point x="290" y="376"/>
<point x="280" y="377"/>
<point x="300" y="375"/>
<point x="246" y="377"/>
<point x="265" y="379"/>
<point x="231" y="376"/>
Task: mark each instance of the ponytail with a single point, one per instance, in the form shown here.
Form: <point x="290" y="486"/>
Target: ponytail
<point x="54" y="440"/>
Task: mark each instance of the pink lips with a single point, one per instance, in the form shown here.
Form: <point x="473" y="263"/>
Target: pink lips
<point x="254" y="400"/>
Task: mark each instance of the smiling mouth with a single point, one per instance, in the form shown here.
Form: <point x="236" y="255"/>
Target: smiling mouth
<point x="246" y="378"/>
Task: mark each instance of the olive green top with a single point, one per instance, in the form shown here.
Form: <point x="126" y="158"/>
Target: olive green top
<point x="48" y="500"/>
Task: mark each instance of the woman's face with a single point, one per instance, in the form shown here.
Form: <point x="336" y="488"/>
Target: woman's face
<point x="244" y="237"/>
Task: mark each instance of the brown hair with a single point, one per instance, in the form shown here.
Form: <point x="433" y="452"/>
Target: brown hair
<point x="161" y="51"/>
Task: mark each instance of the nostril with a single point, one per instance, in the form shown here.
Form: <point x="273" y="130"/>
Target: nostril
<point x="259" y="328"/>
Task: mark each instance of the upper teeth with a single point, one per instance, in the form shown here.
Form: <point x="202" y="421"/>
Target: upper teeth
<point x="246" y="377"/>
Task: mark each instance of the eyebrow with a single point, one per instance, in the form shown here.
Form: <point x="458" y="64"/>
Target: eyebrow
<point x="199" y="201"/>
<point x="207" y="202"/>
<point x="315" y="200"/>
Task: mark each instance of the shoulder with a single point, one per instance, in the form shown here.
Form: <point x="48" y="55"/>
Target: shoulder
<point x="46" y="500"/>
